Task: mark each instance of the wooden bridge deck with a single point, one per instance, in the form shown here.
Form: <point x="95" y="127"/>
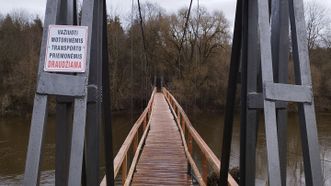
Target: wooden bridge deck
<point x="163" y="160"/>
<point x="163" y="153"/>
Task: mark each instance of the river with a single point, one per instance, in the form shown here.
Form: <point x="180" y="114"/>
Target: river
<point x="14" y="134"/>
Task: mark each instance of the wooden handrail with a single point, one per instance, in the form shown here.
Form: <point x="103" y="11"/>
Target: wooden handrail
<point x="137" y="154"/>
<point x="188" y="149"/>
<point x="185" y="125"/>
<point x="120" y="161"/>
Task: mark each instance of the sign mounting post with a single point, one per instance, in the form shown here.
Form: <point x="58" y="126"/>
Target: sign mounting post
<point x="71" y="59"/>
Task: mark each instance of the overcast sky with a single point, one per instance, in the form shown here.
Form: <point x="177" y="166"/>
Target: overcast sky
<point x="122" y="7"/>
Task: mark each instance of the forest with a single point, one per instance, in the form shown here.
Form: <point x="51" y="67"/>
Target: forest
<point x="194" y="65"/>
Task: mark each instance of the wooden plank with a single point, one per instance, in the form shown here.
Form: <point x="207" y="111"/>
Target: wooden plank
<point x="128" y="141"/>
<point x="204" y="169"/>
<point x="212" y="159"/>
<point x="163" y="154"/>
<point x="190" y="144"/>
<point x="135" y="143"/>
<point x="136" y="156"/>
<point x="183" y="125"/>
<point x="122" y="153"/>
<point x="192" y="164"/>
<point x="163" y="160"/>
<point x="124" y="169"/>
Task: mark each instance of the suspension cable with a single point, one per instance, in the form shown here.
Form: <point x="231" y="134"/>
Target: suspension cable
<point x="145" y="48"/>
<point x="184" y="33"/>
<point x="142" y="26"/>
<point x="131" y="65"/>
<point x="186" y="25"/>
<point x="197" y="55"/>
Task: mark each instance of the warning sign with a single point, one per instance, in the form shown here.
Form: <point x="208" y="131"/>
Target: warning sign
<point x="66" y="49"/>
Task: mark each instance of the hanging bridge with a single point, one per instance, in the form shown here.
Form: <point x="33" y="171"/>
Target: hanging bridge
<point x="162" y="141"/>
<point x="162" y="147"/>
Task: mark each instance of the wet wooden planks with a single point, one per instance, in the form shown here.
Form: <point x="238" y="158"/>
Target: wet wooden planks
<point x="163" y="160"/>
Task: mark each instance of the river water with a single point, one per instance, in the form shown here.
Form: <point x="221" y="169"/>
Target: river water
<point x="209" y="126"/>
<point x="14" y="134"/>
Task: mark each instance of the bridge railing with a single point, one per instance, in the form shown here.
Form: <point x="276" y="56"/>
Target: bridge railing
<point x="210" y="164"/>
<point x="134" y="141"/>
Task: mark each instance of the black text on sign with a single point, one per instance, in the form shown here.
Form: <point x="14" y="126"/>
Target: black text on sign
<point x="66" y="49"/>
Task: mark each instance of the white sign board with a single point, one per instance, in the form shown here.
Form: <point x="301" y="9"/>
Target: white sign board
<point x="66" y="48"/>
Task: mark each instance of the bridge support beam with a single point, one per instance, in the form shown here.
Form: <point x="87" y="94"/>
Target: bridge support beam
<point x="64" y="110"/>
<point x="261" y="44"/>
<point x="83" y="106"/>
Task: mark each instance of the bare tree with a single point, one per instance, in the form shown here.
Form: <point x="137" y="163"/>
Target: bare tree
<point x="317" y="23"/>
<point x="327" y="38"/>
<point x="1" y="18"/>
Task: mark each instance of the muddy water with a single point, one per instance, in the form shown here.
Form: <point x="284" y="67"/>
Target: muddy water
<point x="14" y="138"/>
<point x="14" y="134"/>
<point x="210" y="128"/>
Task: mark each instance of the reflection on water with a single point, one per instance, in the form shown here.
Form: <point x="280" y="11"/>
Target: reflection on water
<point x="14" y="134"/>
<point x="210" y="128"/>
<point x="14" y="139"/>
